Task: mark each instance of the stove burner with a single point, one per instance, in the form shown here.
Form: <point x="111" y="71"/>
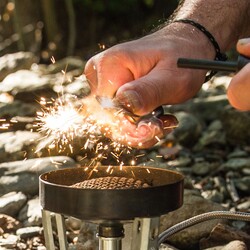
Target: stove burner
<point x="111" y="182"/>
<point x="59" y="194"/>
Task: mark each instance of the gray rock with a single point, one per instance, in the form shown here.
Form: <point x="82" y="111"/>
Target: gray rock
<point x="243" y="184"/>
<point x="30" y="214"/>
<point x="215" y="86"/>
<point x="236" y="244"/>
<point x="11" y="63"/>
<point x="66" y="64"/>
<point x="169" y="152"/>
<point x="237" y="164"/>
<point x="227" y="237"/>
<point x="246" y="171"/>
<point x="50" y="146"/>
<point x="24" y="81"/>
<point x="236" y="126"/>
<point x="237" y="153"/>
<point x="189" y="129"/>
<point x="155" y="157"/>
<point x="233" y="245"/>
<point x="38" y="165"/>
<point x="180" y="162"/>
<point x="17" y="145"/>
<point x="239" y="224"/>
<point x="167" y="247"/>
<point x="17" y="173"/>
<point x="213" y="195"/>
<point x="43" y="248"/>
<point x="244" y="206"/>
<point x="202" y="168"/>
<point x="10" y="242"/>
<point x="18" y="140"/>
<point x="207" y="109"/>
<point x="8" y="224"/>
<point x="78" y="87"/>
<point x="28" y="232"/>
<point x="17" y="108"/>
<point x="11" y="203"/>
<point x="193" y="205"/>
<point x="221" y="81"/>
<point x="220" y="185"/>
<point x="215" y="125"/>
<point x="22" y="123"/>
<point x="10" y="183"/>
<point x="213" y="135"/>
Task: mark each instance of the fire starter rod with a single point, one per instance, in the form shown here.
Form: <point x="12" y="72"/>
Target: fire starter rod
<point x="229" y="66"/>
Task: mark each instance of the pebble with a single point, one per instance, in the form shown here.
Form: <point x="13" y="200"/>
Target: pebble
<point x="201" y="168"/>
<point x="189" y="129"/>
<point x="11" y="203"/>
<point x="9" y="242"/>
<point x="11" y="63"/>
<point x="28" y="232"/>
<point x="30" y="214"/>
<point x="243" y="184"/>
<point x="237" y="164"/>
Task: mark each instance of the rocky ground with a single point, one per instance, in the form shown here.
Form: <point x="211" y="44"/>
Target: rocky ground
<point x="211" y="147"/>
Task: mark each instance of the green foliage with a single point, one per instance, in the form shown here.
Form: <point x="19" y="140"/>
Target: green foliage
<point x="149" y="3"/>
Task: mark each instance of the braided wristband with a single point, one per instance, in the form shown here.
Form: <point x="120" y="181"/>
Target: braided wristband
<point x="219" y="56"/>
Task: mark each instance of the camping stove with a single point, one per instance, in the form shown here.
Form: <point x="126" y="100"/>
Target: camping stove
<point x="110" y="197"/>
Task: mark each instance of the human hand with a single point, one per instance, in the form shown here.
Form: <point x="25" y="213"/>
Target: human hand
<point x="238" y="89"/>
<point x="143" y="134"/>
<point x="143" y="75"/>
<point x="124" y="127"/>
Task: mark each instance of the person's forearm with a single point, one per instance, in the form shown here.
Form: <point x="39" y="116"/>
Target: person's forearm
<point x="227" y="20"/>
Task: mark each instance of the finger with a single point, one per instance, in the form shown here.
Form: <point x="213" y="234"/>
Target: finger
<point x="238" y="89"/>
<point x="169" y="123"/>
<point x="107" y="72"/>
<point x="150" y="131"/>
<point x="91" y="75"/>
<point x="145" y="134"/>
<point x="243" y="46"/>
<point x="160" y="86"/>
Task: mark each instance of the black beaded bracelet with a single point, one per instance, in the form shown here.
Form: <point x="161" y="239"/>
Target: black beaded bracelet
<point x="219" y="56"/>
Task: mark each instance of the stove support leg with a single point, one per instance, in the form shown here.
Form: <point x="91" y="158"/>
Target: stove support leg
<point x="145" y="232"/>
<point x="61" y="232"/>
<point x="48" y="230"/>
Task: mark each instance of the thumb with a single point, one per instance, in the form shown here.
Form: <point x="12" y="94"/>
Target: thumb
<point x="160" y="86"/>
<point x="237" y="91"/>
<point x="243" y="46"/>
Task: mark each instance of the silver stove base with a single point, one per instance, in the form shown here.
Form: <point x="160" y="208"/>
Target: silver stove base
<point x="144" y="234"/>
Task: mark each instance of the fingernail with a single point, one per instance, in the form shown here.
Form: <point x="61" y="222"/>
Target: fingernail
<point x="244" y="41"/>
<point x="130" y="100"/>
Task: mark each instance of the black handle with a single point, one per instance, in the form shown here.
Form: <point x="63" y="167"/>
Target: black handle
<point x="229" y="66"/>
<point x="242" y="61"/>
